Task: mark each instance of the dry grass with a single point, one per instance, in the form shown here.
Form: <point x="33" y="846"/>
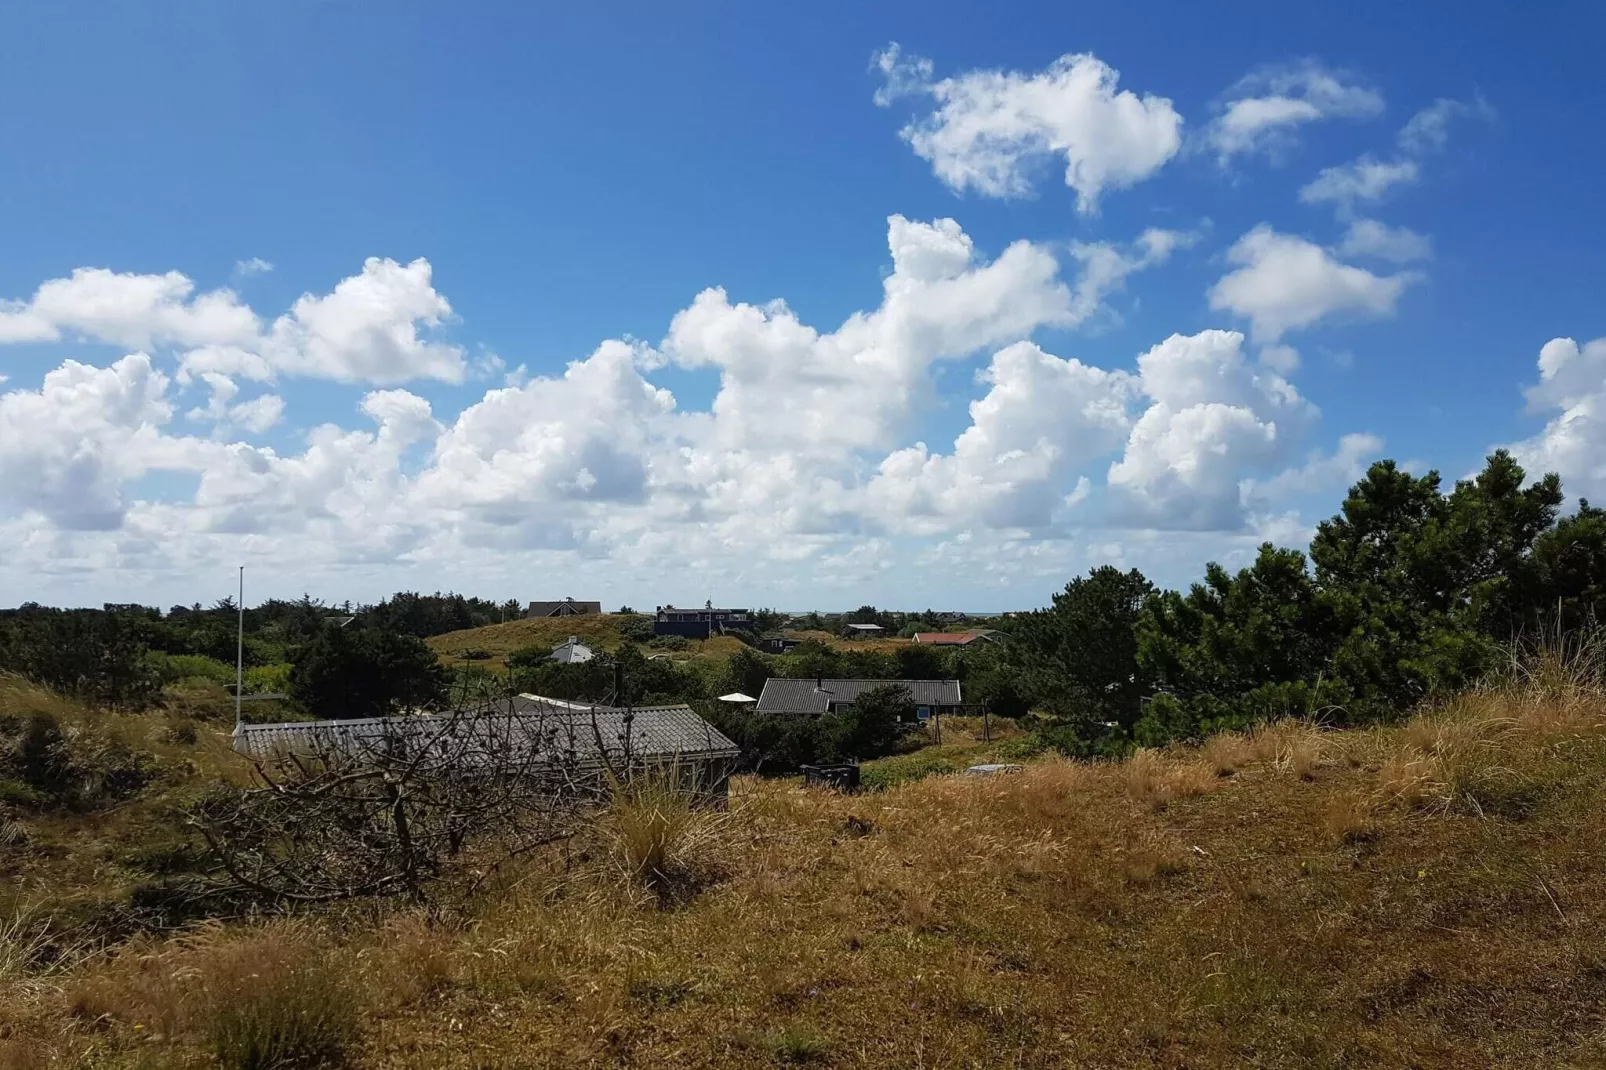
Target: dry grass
<point x="1226" y="753"/>
<point x="1125" y="914"/>
<point x="658" y="834"/>
<point x="1290" y="746"/>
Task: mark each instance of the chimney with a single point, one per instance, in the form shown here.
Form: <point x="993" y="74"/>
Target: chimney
<point x="574" y="640"/>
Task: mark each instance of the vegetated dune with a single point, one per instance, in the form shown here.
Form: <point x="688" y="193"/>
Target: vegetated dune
<point x="1421" y="895"/>
<point x="491" y="644"/>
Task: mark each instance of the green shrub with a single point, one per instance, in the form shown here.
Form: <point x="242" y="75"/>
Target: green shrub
<point x="669" y="642"/>
<point x="885" y="773"/>
<point x="267" y="679"/>
<point x="173" y="668"/>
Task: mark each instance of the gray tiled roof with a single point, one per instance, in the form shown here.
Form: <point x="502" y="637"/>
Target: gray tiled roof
<point x="559" y="733"/>
<point x="800" y="696"/>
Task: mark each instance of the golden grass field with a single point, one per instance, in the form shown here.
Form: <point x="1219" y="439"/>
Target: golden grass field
<point x="598" y="630"/>
<point x="1426" y="895"/>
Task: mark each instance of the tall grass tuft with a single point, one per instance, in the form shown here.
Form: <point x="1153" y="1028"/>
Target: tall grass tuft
<point x="278" y="1004"/>
<point x="660" y="837"/>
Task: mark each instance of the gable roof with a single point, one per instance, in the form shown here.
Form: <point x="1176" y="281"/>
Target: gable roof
<point x="563" y="607"/>
<point x="801" y="696"/>
<point x="564" y="734"/>
<point x="956" y="638"/>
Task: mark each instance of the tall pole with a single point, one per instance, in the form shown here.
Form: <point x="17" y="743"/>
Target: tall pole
<point x="239" y="654"/>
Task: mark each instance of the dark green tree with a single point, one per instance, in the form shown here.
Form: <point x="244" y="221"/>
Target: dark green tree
<point x="1237" y="648"/>
<point x="1566" y="580"/>
<point x="872" y="726"/>
<point x="1079" y="657"/>
<point x="358" y="671"/>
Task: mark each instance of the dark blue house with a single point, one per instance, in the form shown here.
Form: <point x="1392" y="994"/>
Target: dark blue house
<point x="704" y="623"/>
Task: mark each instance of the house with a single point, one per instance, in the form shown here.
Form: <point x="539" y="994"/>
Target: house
<point x="818" y="696"/>
<point x="584" y="743"/>
<point x="956" y="638"/>
<point x="563" y="607"/>
<point x="704" y="623"/>
<point x="573" y="652"/>
<point x="777" y="644"/>
<point x="864" y="631"/>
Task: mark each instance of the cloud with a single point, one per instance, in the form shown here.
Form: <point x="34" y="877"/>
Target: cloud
<point x="1399" y="245"/>
<point x="800" y="464"/>
<point x="257" y="415"/>
<point x="1429" y="129"/>
<point x="1105" y="266"/>
<point x="1572" y="386"/>
<point x="1286" y="283"/>
<point x="1322" y="473"/>
<point x="785" y="386"/>
<point x="1263" y="110"/>
<point x="1213" y="418"/>
<point x="244" y="269"/>
<point x="1040" y="422"/>
<point x="991" y="129"/>
<point x="1365" y="179"/>
<point x="68" y="449"/>
<point x="137" y="311"/>
<point x="366" y="330"/>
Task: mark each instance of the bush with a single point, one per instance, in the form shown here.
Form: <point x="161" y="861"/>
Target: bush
<point x="639" y="630"/>
<point x="886" y="773"/>
<point x="268" y="679"/>
<point x="669" y="642"/>
<point x="55" y="770"/>
<point x="359" y="671"/>
<point x="175" y="667"/>
<point x="874" y="724"/>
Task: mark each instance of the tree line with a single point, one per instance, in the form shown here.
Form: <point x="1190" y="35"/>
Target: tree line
<point x="1408" y="592"/>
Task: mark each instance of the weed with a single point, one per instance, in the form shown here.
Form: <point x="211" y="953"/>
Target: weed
<point x="289" y="1011"/>
<point x="659" y="834"/>
<point x="797" y="1044"/>
<point x="1226" y="753"/>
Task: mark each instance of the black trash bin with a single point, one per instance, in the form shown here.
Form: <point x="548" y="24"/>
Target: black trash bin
<point x="843" y="777"/>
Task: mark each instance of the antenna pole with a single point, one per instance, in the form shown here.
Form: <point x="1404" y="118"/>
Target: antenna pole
<point x="239" y="653"/>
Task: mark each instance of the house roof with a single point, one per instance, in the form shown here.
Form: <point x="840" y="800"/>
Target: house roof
<point x="572" y="651"/>
<point x="562" y="607"/>
<point x="867" y="627"/>
<point x="556" y="733"/>
<point x="801" y="696"/>
<point x="953" y="638"/>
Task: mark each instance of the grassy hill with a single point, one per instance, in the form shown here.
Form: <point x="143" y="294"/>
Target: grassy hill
<point x="1421" y="895"/>
<point x="601" y="631"/>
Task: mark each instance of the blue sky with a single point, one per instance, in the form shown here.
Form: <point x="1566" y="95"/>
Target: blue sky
<point x="567" y="178"/>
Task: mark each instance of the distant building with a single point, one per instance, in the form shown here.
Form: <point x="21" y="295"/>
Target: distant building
<point x="956" y="638"/>
<point x="865" y="631"/>
<point x="777" y="644"/>
<point x="564" y="607"/>
<point x="587" y="741"/>
<point x="818" y="696"/>
<point x="573" y="652"/>
<point x="703" y="623"/>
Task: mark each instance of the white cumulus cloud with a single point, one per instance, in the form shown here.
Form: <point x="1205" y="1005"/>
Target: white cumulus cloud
<point x="990" y="129"/>
<point x="1571" y="387"/>
<point x="1214" y="418"/>
<point x="1285" y="283"/>
<point x="367" y="330"/>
